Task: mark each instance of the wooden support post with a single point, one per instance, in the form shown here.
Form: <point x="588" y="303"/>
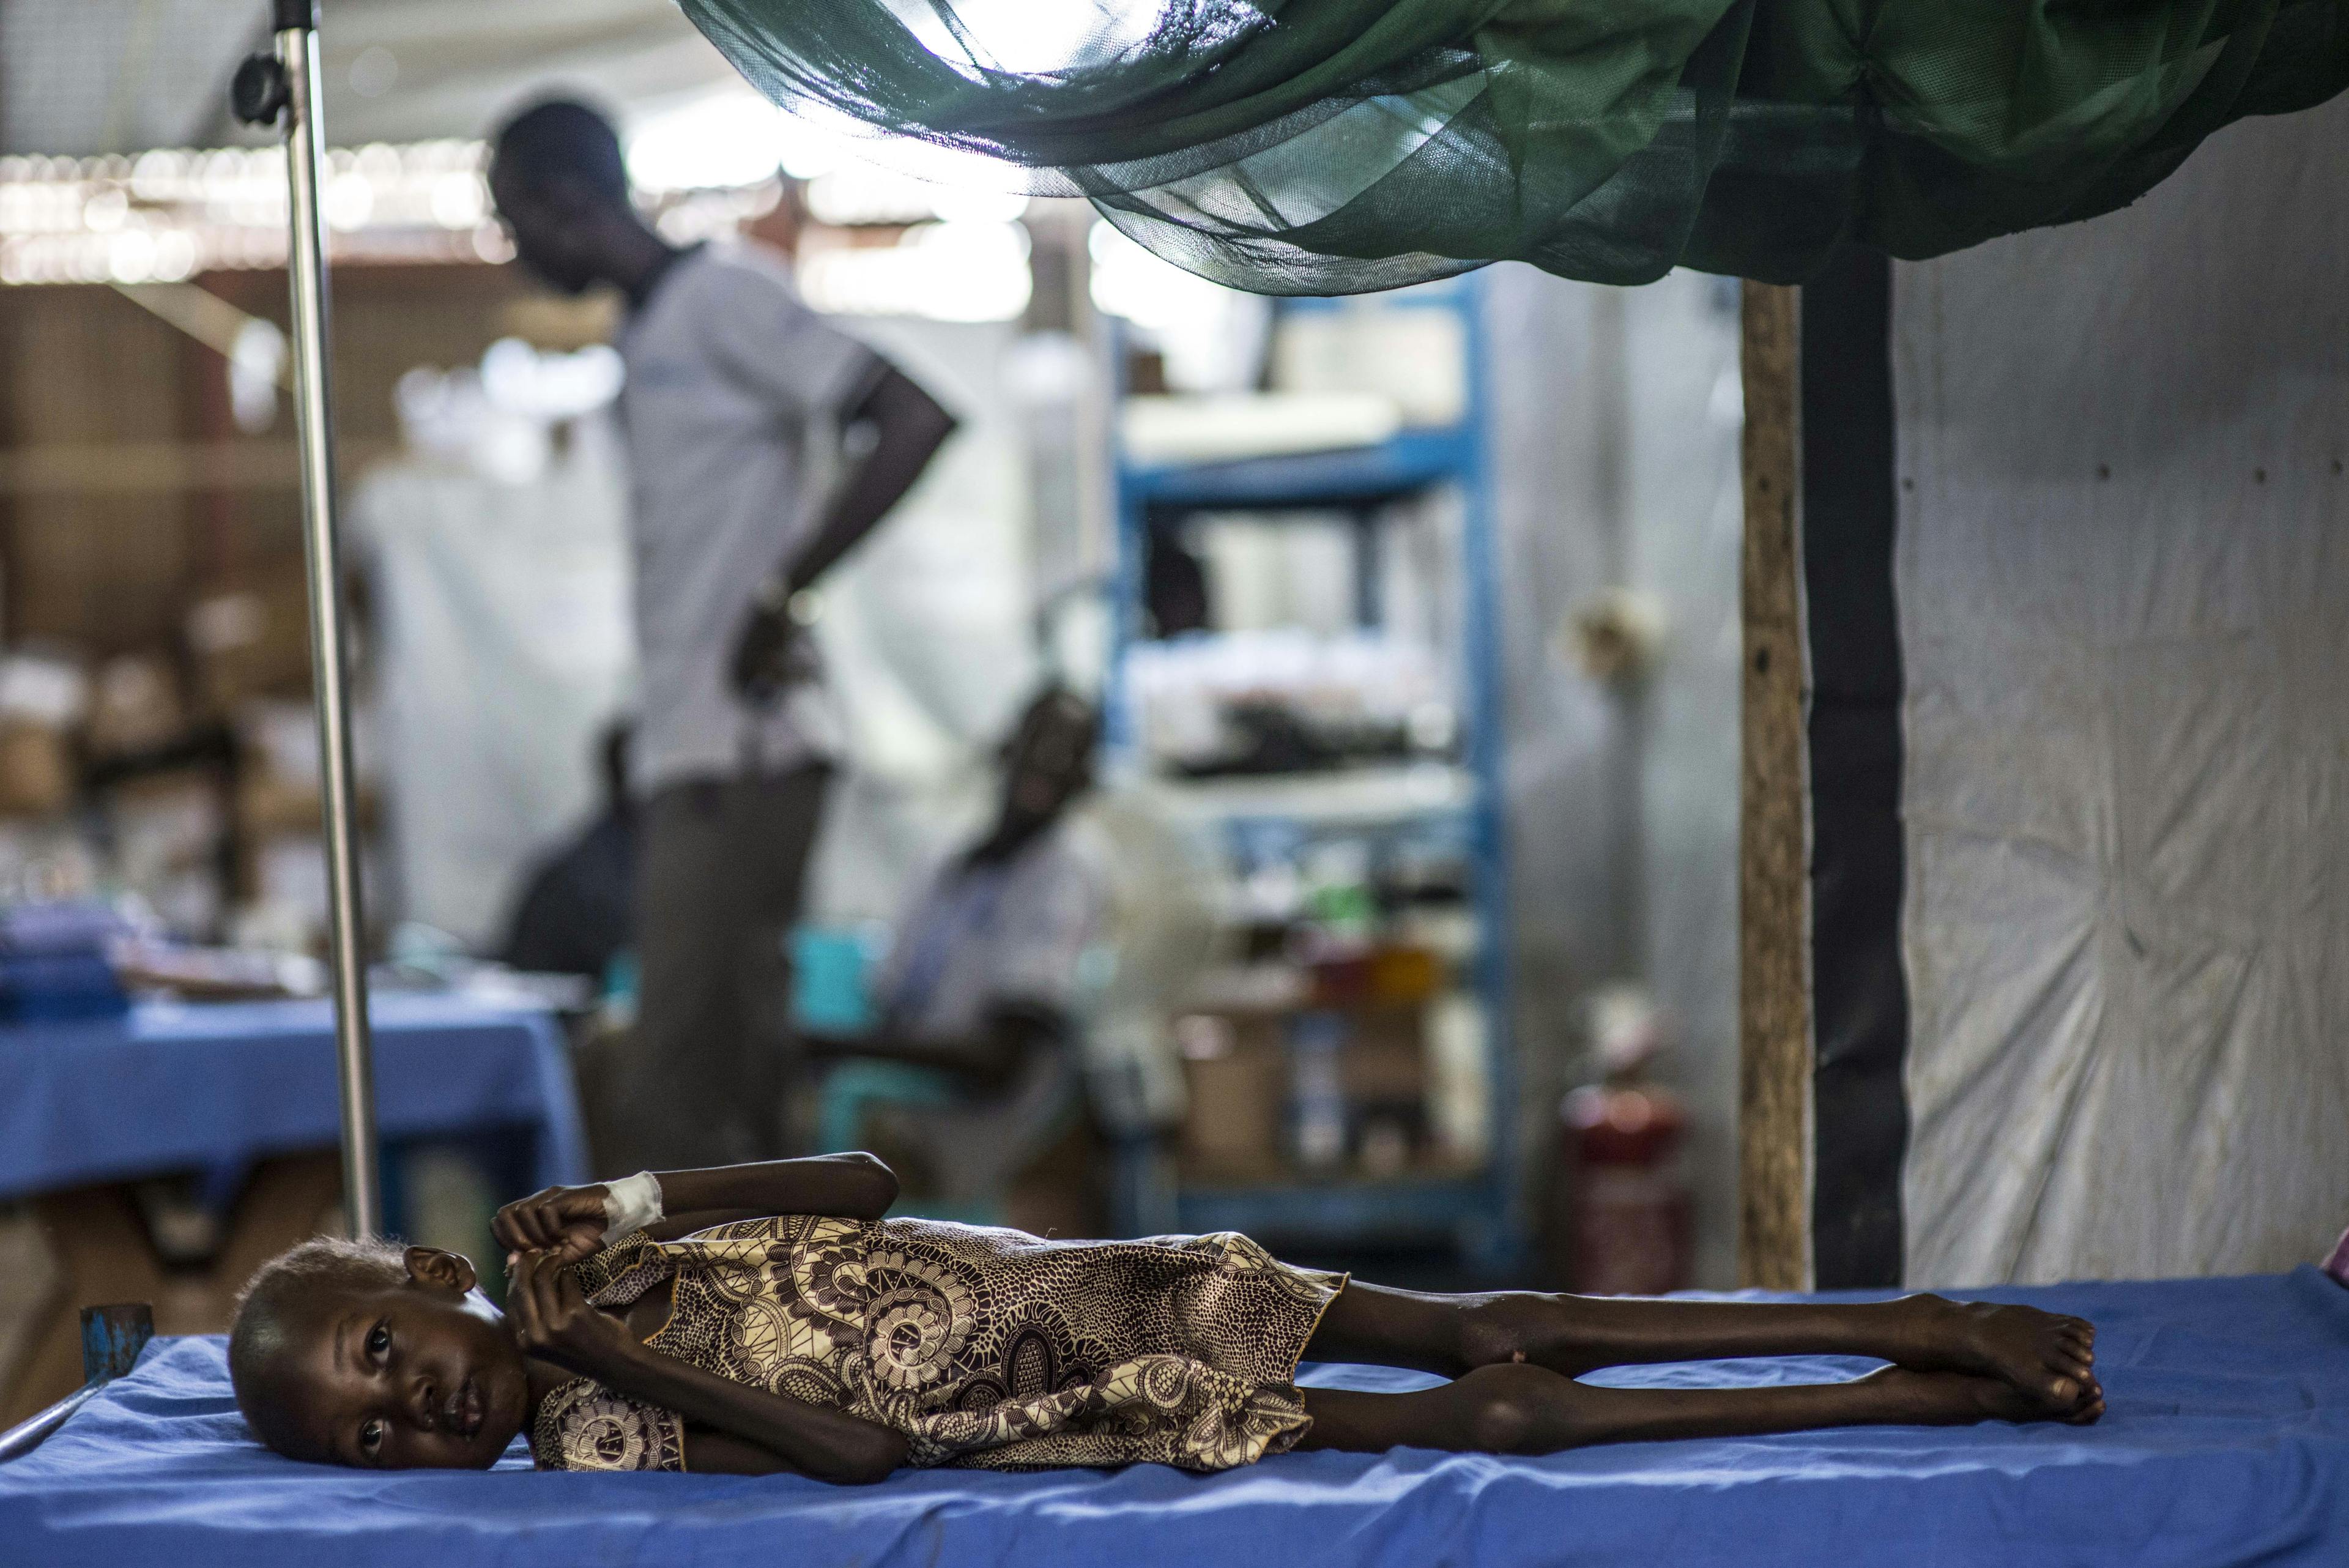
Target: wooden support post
<point x="1774" y="849"/>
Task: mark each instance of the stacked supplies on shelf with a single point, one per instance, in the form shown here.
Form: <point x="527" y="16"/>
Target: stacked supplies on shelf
<point x="54" y="962"/>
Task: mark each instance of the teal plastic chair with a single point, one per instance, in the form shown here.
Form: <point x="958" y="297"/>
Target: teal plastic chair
<point x="831" y="970"/>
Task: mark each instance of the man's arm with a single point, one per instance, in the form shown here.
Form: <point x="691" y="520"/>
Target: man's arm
<point x="909" y="427"/>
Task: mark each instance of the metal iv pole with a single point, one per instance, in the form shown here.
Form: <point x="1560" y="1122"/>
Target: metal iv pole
<point x="269" y="87"/>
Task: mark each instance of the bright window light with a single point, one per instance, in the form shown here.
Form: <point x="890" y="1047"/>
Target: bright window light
<point x="733" y="139"/>
<point x="175" y="212"/>
<point x="1128" y="281"/>
<point x="867" y="193"/>
<point x="960" y="271"/>
<point x="1027" y="35"/>
<point x="716" y="142"/>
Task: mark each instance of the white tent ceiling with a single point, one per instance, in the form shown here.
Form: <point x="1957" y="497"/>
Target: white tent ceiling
<point x="86" y="76"/>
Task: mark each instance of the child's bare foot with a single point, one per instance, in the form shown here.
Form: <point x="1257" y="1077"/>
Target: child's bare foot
<point x="2045" y="1357"/>
<point x="1955" y="1398"/>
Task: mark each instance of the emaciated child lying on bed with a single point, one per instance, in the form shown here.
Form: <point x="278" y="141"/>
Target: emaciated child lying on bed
<point x="772" y="1320"/>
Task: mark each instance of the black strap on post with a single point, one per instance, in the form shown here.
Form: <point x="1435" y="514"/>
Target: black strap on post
<point x="1859" y="993"/>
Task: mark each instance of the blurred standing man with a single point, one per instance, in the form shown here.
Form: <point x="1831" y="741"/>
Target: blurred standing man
<point x="736" y="393"/>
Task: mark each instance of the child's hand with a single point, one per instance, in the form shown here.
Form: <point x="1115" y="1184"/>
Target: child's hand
<point x="564" y="1221"/>
<point x="554" y="1321"/>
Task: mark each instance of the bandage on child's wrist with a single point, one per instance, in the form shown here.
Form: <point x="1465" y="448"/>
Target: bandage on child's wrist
<point x="630" y="1204"/>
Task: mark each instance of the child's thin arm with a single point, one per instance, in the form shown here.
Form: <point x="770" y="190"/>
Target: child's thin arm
<point x="570" y="1220"/>
<point x="830" y="1445"/>
<point x="710" y="1452"/>
<point x="552" y="1321"/>
<point x="844" y="1186"/>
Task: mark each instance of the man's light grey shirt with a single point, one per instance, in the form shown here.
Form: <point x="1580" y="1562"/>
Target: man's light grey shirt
<point x="734" y="395"/>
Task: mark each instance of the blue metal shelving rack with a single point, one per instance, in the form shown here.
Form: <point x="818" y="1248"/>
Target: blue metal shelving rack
<point x="1481" y="1211"/>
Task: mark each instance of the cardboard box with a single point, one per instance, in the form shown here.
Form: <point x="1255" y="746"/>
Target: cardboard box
<point x="1385" y="1058"/>
<point x="252" y="637"/>
<point x="1238" y="1072"/>
<point x="36" y="772"/>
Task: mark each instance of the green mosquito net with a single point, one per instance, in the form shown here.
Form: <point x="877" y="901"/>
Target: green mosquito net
<point x="1333" y="146"/>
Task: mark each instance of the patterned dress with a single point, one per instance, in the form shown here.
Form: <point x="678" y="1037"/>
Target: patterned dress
<point x="987" y="1348"/>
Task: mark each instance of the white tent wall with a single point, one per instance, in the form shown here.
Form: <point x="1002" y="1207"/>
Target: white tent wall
<point x="1686" y="519"/>
<point x="2123" y="578"/>
<point x="929" y="636"/>
<point x="505" y="651"/>
<point x="79" y="78"/>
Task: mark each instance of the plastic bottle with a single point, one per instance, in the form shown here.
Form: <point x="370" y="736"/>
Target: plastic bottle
<point x="1317" y="1091"/>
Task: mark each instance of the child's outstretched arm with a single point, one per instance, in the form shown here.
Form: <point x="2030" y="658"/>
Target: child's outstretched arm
<point x="755" y="1431"/>
<point x="843" y="1185"/>
<point x="569" y="1220"/>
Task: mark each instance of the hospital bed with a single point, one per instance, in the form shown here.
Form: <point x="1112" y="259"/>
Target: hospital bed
<point x="2226" y="1442"/>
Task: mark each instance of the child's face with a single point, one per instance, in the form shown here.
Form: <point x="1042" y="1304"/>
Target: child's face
<point x="423" y="1375"/>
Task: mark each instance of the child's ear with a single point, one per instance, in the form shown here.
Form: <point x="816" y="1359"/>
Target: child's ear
<point x="441" y="1271"/>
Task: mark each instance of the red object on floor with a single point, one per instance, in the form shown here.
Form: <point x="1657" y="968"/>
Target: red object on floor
<point x="1634" y="1231"/>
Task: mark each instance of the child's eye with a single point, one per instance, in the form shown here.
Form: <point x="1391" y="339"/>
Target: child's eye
<point x="378" y="1342"/>
<point x="371" y="1436"/>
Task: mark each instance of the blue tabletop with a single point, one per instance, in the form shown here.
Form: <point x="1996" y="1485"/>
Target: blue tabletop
<point x="178" y="1086"/>
<point x="2226" y="1442"/>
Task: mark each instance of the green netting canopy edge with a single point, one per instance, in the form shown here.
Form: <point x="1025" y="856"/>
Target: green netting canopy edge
<point x="1335" y="146"/>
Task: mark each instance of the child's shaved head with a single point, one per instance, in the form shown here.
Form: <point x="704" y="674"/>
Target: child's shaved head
<point x="279" y="1298"/>
<point x="364" y="1352"/>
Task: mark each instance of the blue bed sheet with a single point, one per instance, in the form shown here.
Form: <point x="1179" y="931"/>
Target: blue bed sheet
<point x="2227" y="1443"/>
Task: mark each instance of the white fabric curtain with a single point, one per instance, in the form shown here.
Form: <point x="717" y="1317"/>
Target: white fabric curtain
<point x="505" y="647"/>
<point x="2123" y="572"/>
<point x="85" y="77"/>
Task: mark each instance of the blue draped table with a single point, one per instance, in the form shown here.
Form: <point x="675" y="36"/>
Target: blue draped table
<point x="219" y="1086"/>
<point x="243" y="1097"/>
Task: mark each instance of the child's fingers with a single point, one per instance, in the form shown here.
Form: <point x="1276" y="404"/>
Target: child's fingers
<point x="545" y="1227"/>
<point x="518" y="1297"/>
<point x="563" y="1286"/>
<point x="540" y="1270"/>
<point x="551" y="1215"/>
<point x="521" y="1225"/>
<point x="547" y="1287"/>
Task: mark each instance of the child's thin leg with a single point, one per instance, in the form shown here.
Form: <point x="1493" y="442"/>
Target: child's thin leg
<point x="1517" y="1409"/>
<point x="2050" y="1357"/>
